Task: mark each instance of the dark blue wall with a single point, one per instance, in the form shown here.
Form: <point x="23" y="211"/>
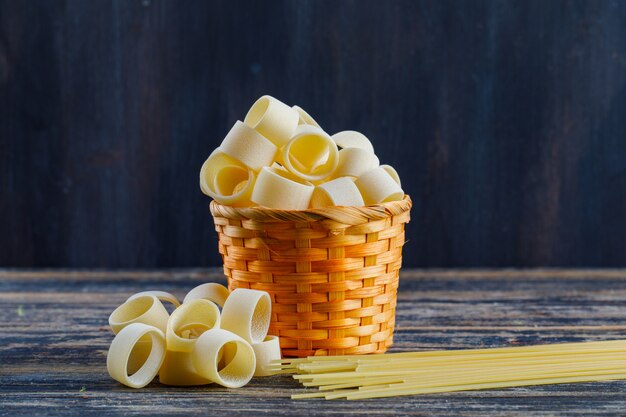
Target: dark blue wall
<point x="505" y="119"/>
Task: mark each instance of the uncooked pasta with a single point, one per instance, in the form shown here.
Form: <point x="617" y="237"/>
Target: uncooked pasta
<point x="411" y="373"/>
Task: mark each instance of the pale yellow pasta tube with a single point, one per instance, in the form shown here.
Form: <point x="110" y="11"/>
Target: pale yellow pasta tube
<point x="139" y="354"/>
<point x="205" y="357"/>
<point x="277" y="188"/>
<point x="120" y="351"/>
<point x="178" y="370"/>
<point x="338" y="192"/>
<point x="161" y="295"/>
<point x="227" y="180"/>
<point x="266" y="352"/>
<point x="377" y="186"/>
<point x="353" y="139"/>
<point x="392" y="173"/>
<point x="142" y="348"/>
<point x="305" y="118"/>
<point x="311" y="154"/>
<point x="146" y="309"/>
<point x="354" y="162"/>
<point x="273" y="119"/>
<point x="247" y="313"/>
<point x="248" y="146"/>
<point x="200" y="311"/>
<point x="210" y="291"/>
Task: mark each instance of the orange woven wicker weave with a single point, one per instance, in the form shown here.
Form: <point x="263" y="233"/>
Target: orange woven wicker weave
<point x="332" y="273"/>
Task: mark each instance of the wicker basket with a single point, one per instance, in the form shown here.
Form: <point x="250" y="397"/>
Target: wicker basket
<point x="332" y="273"/>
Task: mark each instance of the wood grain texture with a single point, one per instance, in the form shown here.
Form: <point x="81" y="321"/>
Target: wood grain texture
<point x="54" y="337"/>
<point x="503" y="118"/>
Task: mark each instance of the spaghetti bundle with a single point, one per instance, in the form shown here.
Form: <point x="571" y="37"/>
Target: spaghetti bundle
<point x="410" y="373"/>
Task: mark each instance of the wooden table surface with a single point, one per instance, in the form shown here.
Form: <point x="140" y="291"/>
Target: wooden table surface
<point x="54" y="338"/>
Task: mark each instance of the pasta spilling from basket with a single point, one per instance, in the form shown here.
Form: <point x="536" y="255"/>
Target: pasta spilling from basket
<point x="279" y="157"/>
<point x="196" y="344"/>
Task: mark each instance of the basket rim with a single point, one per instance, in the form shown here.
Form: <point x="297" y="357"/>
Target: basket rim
<point x="351" y="215"/>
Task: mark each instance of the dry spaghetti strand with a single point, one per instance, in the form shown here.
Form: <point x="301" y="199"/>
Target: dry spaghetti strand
<point x="411" y="373"/>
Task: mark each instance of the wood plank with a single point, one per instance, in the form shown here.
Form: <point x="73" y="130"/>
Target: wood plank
<point x="54" y="337"/>
<point x="216" y="273"/>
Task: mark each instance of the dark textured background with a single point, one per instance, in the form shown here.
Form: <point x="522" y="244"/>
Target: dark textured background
<point x="506" y="121"/>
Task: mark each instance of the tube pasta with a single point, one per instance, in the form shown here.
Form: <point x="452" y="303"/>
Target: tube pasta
<point x="248" y="146"/>
<point x="205" y="357"/>
<point x="354" y="162"/>
<point x="161" y="295"/>
<point x="266" y="352"/>
<point x="193" y="350"/>
<point x="200" y="312"/>
<point x="353" y="139"/>
<point x="377" y="186"/>
<point x="276" y="156"/>
<point x="247" y="313"/>
<point x="276" y="188"/>
<point x="146" y="309"/>
<point x="178" y="369"/>
<point x="121" y="348"/>
<point x="227" y="180"/>
<point x="338" y="192"/>
<point x="310" y="154"/>
<point x="210" y="291"/>
<point x="139" y="354"/>
<point x="143" y="347"/>
<point x="305" y="118"/>
<point x="392" y="173"/>
<point x="273" y="119"/>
